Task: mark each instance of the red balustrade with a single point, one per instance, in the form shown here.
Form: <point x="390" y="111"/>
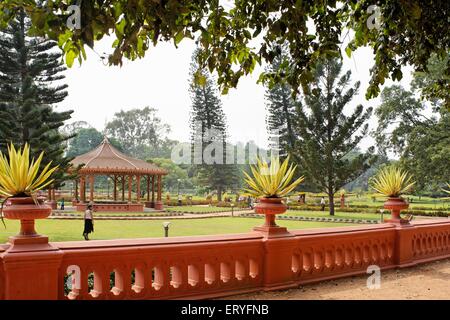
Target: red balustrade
<point x="213" y="266"/>
<point x="162" y="268"/>
<point x="430" y="241"/>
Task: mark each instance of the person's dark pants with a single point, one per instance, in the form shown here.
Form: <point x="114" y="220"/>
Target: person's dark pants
<point x="323" y="207"/>
<point x="88" y="228"/>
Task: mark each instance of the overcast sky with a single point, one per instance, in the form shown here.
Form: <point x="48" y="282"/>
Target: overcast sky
<point x="161" y="80"/>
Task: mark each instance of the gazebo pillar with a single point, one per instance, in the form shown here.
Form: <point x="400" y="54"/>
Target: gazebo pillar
<point x="148" y="188"/>
<point x="115" y="188"/>
<point x="158" y="203"/>
<point x="130" y="179"/>
<point x="76" y="191"/>
<point x="91" y="188"/>
<point x="83" y="189"/>
<point x="138" y="188"/>
<point x="153" y="191"/>
<point x="123" y="188"/>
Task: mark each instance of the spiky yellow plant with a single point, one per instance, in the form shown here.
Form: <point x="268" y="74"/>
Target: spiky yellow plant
<point x="271" y="181"/>
<point x="19" y="176"/>
<point x="392" y="181"/>
<point x="447" y="191"/>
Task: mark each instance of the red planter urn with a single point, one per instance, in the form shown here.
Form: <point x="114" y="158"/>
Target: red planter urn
<point x="395" y="205"/>
<point x="270" y="207"/>
<point x="26" y="210"/>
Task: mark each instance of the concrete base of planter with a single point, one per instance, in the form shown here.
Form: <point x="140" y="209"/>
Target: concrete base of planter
<point x="271" y="231"/>
<point x="159" y="205"/>
<point x="397" y="221"/>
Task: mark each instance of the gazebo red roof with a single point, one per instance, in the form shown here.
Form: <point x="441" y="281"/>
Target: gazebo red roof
<point x="107" y="159"/>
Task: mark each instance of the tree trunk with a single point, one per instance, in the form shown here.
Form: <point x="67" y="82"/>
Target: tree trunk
<point x="219" y="194"/>
<point x="331" y="203"/>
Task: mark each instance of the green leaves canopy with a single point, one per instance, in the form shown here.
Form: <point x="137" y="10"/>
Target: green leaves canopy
<point x="235" y="37"/>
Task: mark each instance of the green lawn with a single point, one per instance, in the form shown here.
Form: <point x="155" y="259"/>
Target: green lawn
<point x="67" y="230"/>
<point x="338" y="215"/>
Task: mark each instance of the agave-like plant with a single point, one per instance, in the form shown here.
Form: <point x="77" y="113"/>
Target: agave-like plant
<point x="447" y="191"/>
<point x="391" y="181"/>
<point x="19" y="177"/>
<point x="271" y="180"/>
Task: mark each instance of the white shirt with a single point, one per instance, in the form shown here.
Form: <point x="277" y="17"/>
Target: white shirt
<point x="88" y="214"/>
<point x="322" y="201"/>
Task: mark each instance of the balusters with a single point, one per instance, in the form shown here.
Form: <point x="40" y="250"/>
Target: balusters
<point x="253" y="268"/>
<point x="358" y="256"/>
<point x="318" y="261"/>
<point x="175" y="276"/>
<point x="348" y="258"/>
<point x="296" y="264"/>
<point x="210" y="273"/>
<point x="157" y="278"/>
<point x="225" y="272"/>
<point x="193" y="275"/>
<point x="240" y="270"/>
<point x="139" y="280"/>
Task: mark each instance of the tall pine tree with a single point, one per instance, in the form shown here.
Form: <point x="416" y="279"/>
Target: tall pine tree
<point x="209" y="134"/>
<point x="281" y="112"/>
<point x="327" y="136"/>
<point x="30" y="70"/>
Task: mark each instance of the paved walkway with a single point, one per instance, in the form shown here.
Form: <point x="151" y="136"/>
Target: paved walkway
<point x="78" y="216"/>
<point x="423" y="282"/>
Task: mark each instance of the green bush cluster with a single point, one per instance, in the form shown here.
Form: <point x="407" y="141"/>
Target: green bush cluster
<point x="436" y="213"/>
<point x="430" y="213"/>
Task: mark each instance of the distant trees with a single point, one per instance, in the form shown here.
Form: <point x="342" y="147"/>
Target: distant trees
<point x="417" y="134"/>
<point x="326" y="135"/>
<point x="85" y="140"/>
<point x="141" y="133"/>
<point x="31" y="86"/>
<point x="176" y="177"/>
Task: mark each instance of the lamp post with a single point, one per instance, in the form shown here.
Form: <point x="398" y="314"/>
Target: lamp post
<point x="166" y="228"/>
<point x="232" y="209"/>
<point x="179" y="181"/>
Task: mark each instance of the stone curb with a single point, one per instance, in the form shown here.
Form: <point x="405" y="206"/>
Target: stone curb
<point x="206" y="212"/>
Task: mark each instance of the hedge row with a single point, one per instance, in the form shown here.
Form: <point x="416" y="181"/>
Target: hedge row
<point x="434" y="213"/>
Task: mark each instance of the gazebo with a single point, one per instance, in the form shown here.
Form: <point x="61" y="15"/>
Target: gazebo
<point x="105" y="160"/>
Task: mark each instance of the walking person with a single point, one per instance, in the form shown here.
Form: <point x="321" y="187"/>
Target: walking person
<point x="88" y="222"/>
<point x="322" y="203"/>
<point x="62" y="204"/>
